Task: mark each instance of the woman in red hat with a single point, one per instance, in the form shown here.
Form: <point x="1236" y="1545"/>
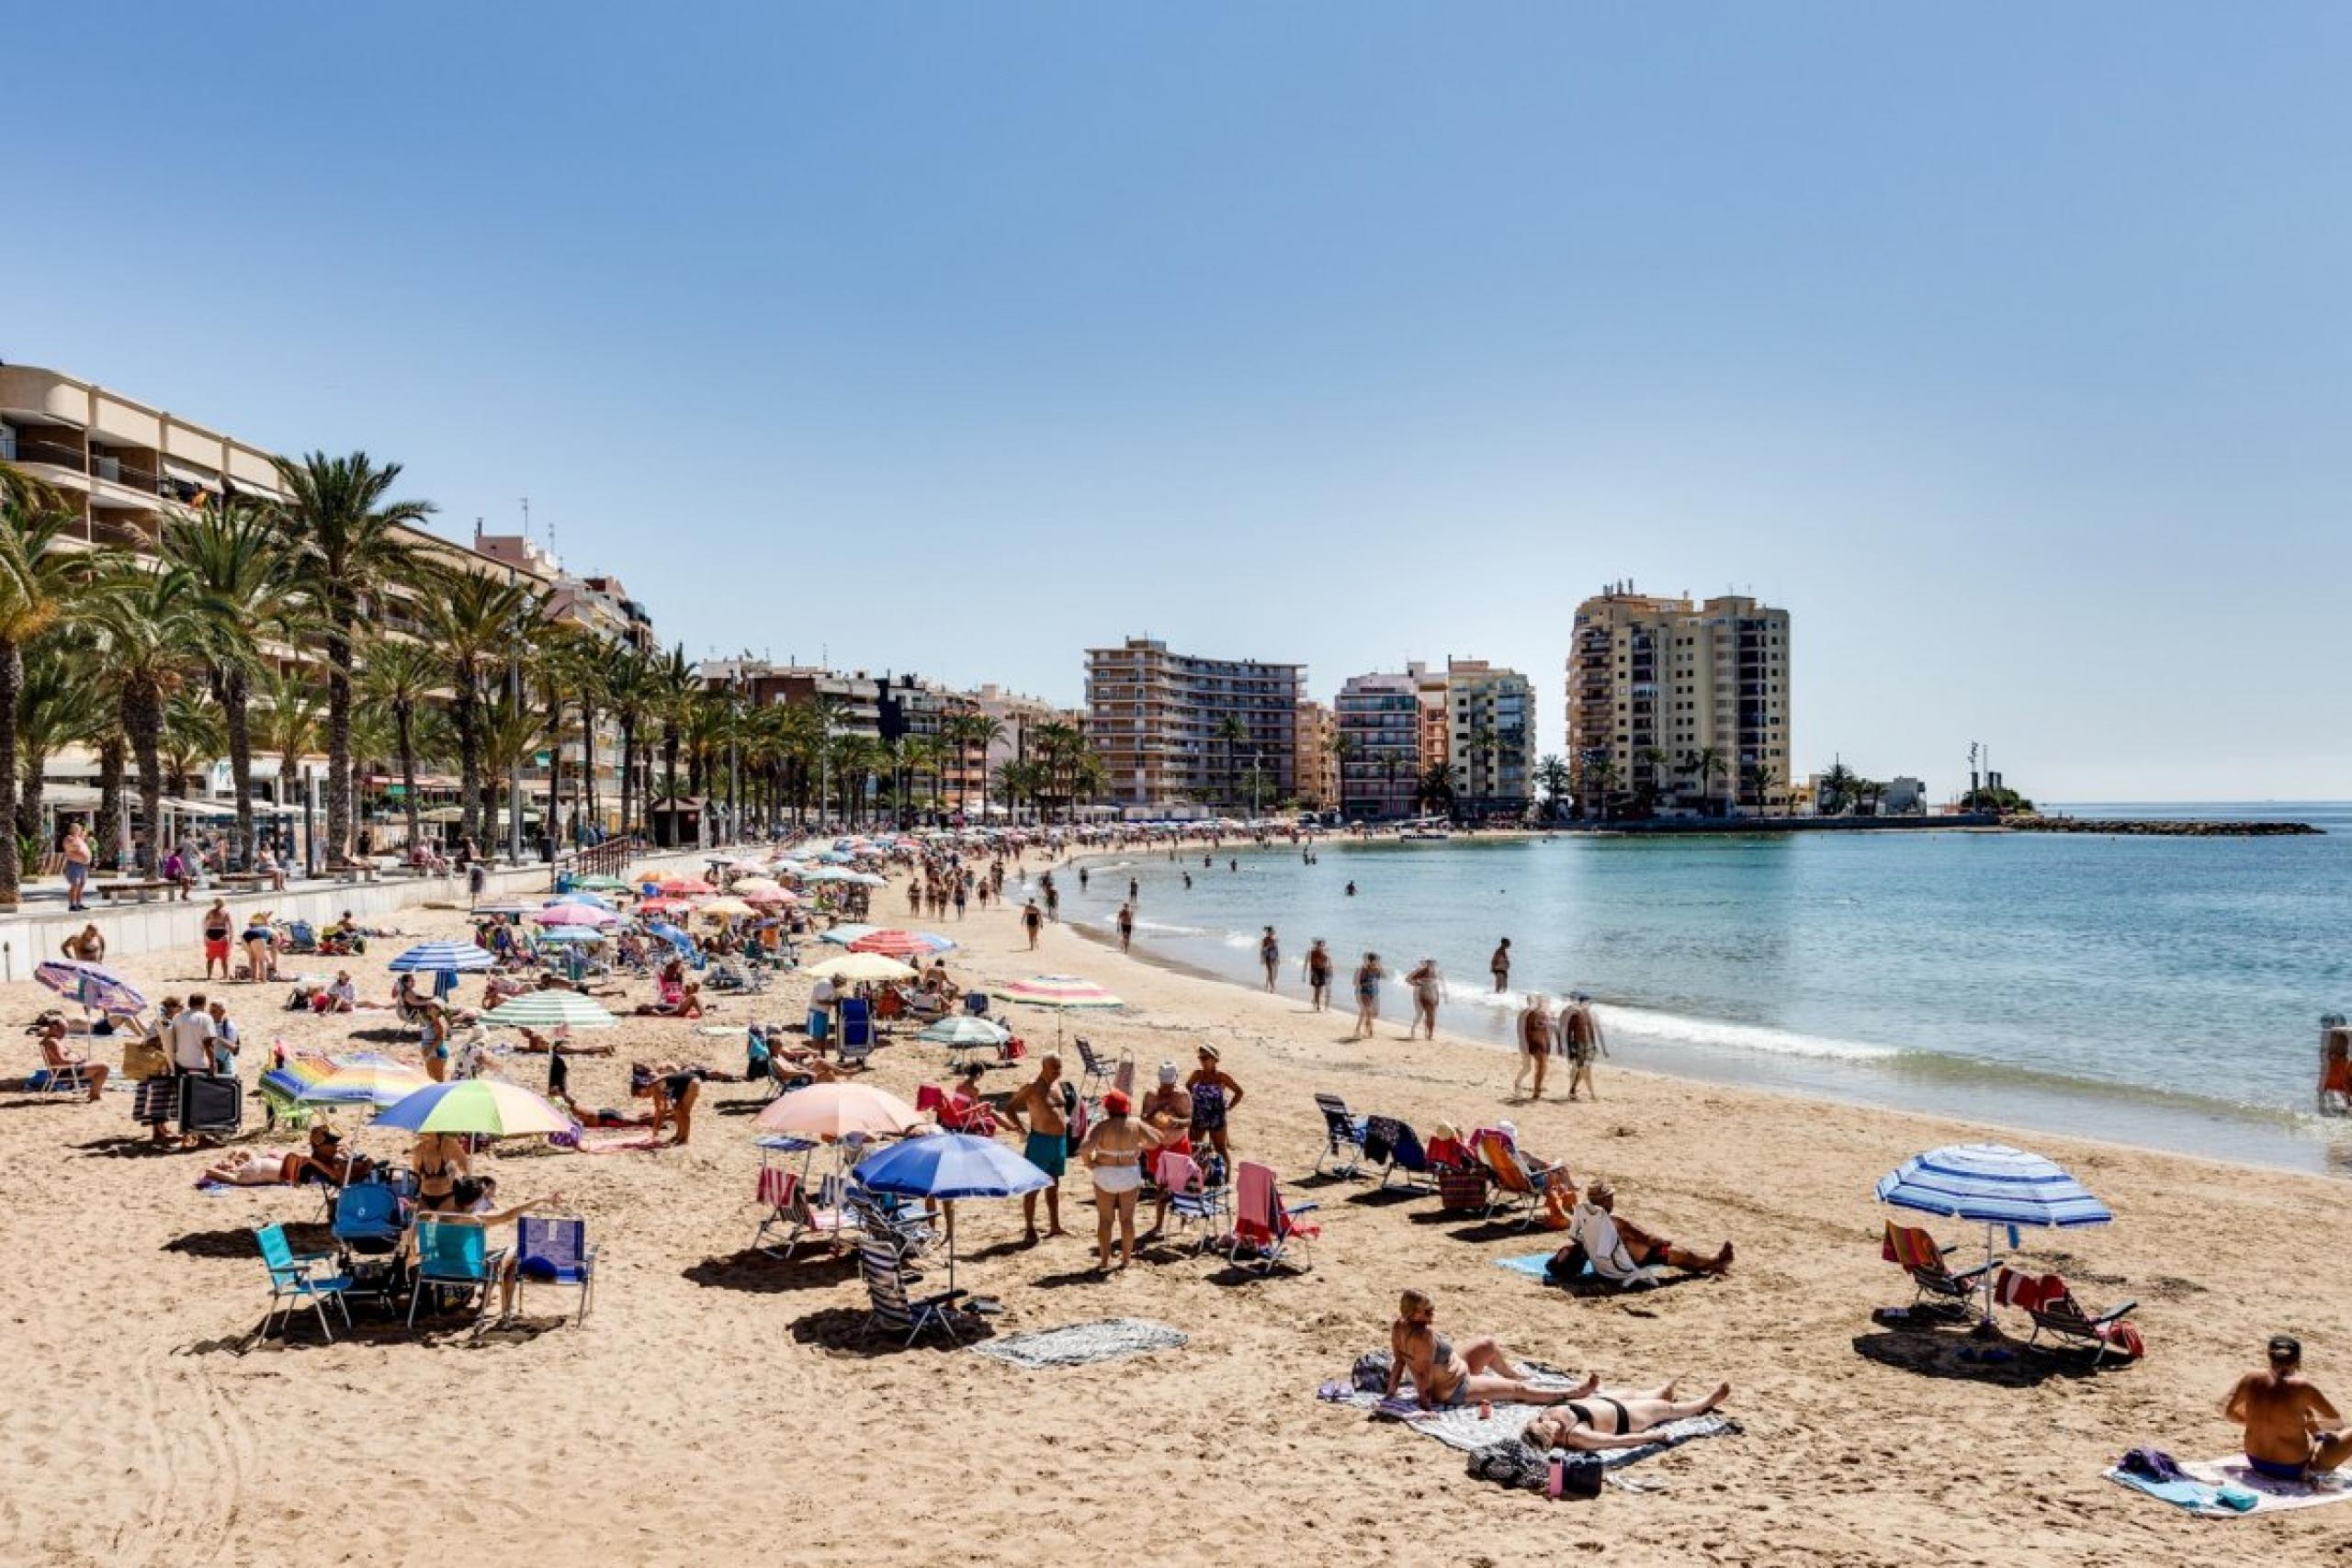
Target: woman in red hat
<point x="1113" y="1154"/>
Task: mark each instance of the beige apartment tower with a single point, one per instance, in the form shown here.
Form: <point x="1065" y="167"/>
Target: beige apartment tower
<point x="1176" y="731"/>
<point x="1679" y="704"/>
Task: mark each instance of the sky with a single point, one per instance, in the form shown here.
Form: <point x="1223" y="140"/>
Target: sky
<point x="2005" y="345"/>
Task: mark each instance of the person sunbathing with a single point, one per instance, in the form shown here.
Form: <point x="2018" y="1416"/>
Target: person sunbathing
<point x="61" y="1063"/>
<point x="250" y="1167"/>
<point x="1617" y="1247"/>
<point x="602" y="1116"/>
<point x="1445" y="1376"/>
<point x="1621" y="1418"/>
<point x="2281" y="1411"/>
<point x="324" y="1162"/>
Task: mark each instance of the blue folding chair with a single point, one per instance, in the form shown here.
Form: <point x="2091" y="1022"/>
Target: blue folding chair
<point x="454" y="1256"/>
<point x="857" y="1028"/>
<point x="367" y="1219"/>
<point x="556" y="1252"/>
<point x="294" y="1281"/>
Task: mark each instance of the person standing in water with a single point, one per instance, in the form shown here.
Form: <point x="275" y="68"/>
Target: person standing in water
<point x="1318" y="976"/>
<point x="1270" y="956"/>
<point x="1499" y="966"/>
<point x="1534" y="1042"/>
<point x="1580" y="1041"/>
<point x="1127" y="927"/>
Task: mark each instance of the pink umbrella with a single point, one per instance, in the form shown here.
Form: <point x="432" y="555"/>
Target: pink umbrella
<point x="835" y="1109"/>
<point x="685" y="885"/>
<point x="576" y="915"/>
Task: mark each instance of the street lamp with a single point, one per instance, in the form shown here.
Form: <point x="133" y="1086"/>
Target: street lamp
<point x="515" y="776"/>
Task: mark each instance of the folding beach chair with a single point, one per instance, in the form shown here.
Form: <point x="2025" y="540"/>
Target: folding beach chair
<point x="1260" y="1220"/>
<point x="884" y="1218"/>
<point x="1938" y="1287"/>
<point x="776" y="1188"/>
<point x="857" y="1026"/>
<point x="2046" y="1299"/>
<point x="1395" y="1147"/>
<point x="1342" y="1137"/>
<point x="1193" y="1200"/>
<point x="211" y="1107"/>
<point x="1095" y="1072"/>
<point x="294" y="1280"/>
<point x="455" y="1257"/>
<point x="1516" y="1179"/>
<point x="892" y="1308"/>
<point x="826" y="1219"/>
<point x="556" y="1252"/>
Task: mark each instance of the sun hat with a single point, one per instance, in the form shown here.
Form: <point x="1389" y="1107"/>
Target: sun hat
<point x="1116" y="1104"/>
<point x="1167" y="1072"/>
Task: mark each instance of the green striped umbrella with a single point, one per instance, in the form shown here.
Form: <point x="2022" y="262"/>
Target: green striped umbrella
<point x="551" y="1009"/>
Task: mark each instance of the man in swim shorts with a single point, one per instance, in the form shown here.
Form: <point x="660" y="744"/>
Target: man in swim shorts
<point x="2281" y="1411"/>
<point x="1040" y="1111"/>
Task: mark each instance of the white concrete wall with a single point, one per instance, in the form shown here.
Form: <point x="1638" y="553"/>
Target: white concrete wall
<point x="35" y="934"/>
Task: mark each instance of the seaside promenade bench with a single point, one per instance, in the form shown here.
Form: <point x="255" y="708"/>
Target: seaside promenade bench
<point x="139" y="892"/>
<point x="243" y="881"/>
<point x="354" y="870"/>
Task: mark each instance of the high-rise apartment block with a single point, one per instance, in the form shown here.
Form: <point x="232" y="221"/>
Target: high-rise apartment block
<point x="1490" y="724"/>
<point x="1177" y="731"/>
<point x="1687" y="705"/>
<point x="1379" y="719"/>
<point x="1318" y="769"/>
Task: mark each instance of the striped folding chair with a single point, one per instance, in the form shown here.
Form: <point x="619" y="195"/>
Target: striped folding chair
<point x="892" y="1310"/>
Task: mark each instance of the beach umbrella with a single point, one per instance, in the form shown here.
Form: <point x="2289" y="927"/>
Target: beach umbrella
<point x="771" y="898"/>
<point x="549" y="1009"/>
<point x="947" y="1167"/>
<point x="839" y="1111"/>
<point x="487" y="1106"/>
<point x="846" y="932"/>
<point x="747" y="866"/>
<point x="672" y="935"/>
<point x="444" y="958"/>
<point x="901" y="945"/>
<point x="1993" y="1185"/>
<point x="725" y="908"/>
<point x="863" y="878"/>
<point x="602" y="884"/>
<point x="365" y="1079"/>
<point x="859" y="967"/>
<point x="659" y="905"/>
<point x="691" y="886"/>
<point x="96" y="987"/>
<point x="592" y="900"/>
<point x="966" y="1029"/>
<point x="1058" y="991"/>
<point x="746" y="886"/>
<point x="569" y="914"/>
<point x="584" y="936"/>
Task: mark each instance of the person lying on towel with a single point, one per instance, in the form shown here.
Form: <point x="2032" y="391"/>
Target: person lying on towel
<point x="1615" y="1419"/>
<point x="1620" y="1251"/>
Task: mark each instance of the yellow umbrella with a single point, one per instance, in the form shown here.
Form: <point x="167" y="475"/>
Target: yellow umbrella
<point x="725" y="908"/>
<point x="861" y="966"/>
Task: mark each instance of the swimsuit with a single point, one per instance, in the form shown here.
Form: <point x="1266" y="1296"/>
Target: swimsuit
<point x="1585" y="1416"/>
<point x="2281" y="1470"/>
<point x="1049" y="1152"/>
<point x="1208" y="1108"/>
<point x="1116" y="1178"/>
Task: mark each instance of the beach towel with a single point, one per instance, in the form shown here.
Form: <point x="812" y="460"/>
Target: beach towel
<point x="1537" y="1265"/>
<point x="614" y="1143"/>
<point x="1462" y="1427"/>
<point x="1082" y="1344"/>
<point x="2203" y="1486"/>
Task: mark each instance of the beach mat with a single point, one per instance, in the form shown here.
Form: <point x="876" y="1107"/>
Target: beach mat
<point x="2271" y="1495"/>
<point x="1082" y="1344"/>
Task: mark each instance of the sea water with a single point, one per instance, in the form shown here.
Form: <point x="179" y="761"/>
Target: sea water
<point x="2164" y="992"/>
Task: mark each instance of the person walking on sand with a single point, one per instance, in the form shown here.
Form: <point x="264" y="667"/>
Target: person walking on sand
<point x="1429" y="990"/>
<point x="1270" y="956"/>
<point x="1033" y="922"/>
<point x="1534" y="1042"/>
<point x="1318" y="965"/>
<point x="1127" y="927"/>
<point x="2281" y="1411"/>
<point x="1369" y="974"/>
<point x="219" y="926"/>
<point x="1499" y="966"/>
<point x="1580" y="1041"/>
<point x="1040" y="1111"/>
<point x="77" y="867"/>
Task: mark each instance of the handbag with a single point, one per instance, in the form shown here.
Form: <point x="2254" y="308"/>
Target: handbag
<point x="143" y="1058"/>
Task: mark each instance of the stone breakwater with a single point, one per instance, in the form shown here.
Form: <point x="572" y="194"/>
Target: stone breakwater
<point x="2156" y="828"/>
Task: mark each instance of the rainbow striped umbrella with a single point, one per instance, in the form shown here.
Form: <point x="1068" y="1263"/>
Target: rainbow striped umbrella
<point x="490" y="1107"/>
<point x="551" y="1009"/>
<point x="365" y="1079"/>
<point x="902" y="943"/>
<point x="1058" y="991"/>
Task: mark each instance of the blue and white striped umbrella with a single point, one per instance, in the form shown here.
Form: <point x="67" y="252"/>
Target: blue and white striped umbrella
<point x="1992" y="1184"/>
<point x="444" y="958"/>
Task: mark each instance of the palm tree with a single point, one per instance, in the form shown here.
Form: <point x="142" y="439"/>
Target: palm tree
<point x="287" y="718"/>
<point x="195" y="735"/>
<point x="1230" y="732"/>
<point x="43" y="585"/>
<point x="1600" y="781"/>
<point x="237" y="558"/>
<point x="58" y="706"/>
<point x="630" y="691"/>
<point x="150" y="626"/>
<point x="473" y="622"/>
<point x="1059" y="749"/>
<point x="974" y="732"/>
<point x="1552" y="777"/>
<point x="508" y="733"/>
<point x="1840" y="789"/>
<point x="352" y="544"/>
<point x="1707" y="763"/>
<point x="675" y="688"/>
<point x="1754" y="781"/>
<point x="402" y="678"/>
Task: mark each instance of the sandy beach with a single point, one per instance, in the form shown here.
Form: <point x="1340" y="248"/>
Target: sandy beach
<point x="719" y="1406"/>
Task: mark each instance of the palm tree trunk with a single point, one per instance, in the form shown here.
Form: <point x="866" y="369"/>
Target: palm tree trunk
<point x="108" y="828"/>
<point x="28" y="804"/>
<point x="142" y="721"/>
<point x="466" y="711"/>
<point x="235" y="708"/>
<point x="670" y="760"/>
<point x="405" y="724"/>
<point x="587" y="760"/>
<point x="629" y="771"/>
<point x="12" y="677"/>
<point x="555" y="766"/>
<point x="339" y="672"/>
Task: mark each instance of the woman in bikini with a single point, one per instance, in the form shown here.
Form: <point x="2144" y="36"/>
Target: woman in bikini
<point x="441" y="1160"/>
<point x="1619" y="1420"/>
<point x="1112" y="1153"/>
<point x="1369" y="974"/>
<point x="1445" y="1375"/>
<point x="1429" y="990"/>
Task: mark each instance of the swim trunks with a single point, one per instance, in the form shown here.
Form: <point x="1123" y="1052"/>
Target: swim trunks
<point x="1049" y="1152"/>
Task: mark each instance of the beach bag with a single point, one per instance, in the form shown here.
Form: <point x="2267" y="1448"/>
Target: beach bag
<point x="143" y="1058"/>
<point x="2124" y="1339"/>
<point x="1458" y="1188"/>
<point x="1370" y="1374"/>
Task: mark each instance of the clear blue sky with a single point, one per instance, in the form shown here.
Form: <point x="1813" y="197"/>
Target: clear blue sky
<point x="2006" y="345"/>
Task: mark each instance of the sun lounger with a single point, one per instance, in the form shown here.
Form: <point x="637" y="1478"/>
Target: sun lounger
<point x="1342" y="1137"/>
<point x="2046" y="1299"/>
<point x="1939" y="1287"/>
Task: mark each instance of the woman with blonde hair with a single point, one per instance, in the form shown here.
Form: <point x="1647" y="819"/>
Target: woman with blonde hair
<point x="1445" y="1375"/>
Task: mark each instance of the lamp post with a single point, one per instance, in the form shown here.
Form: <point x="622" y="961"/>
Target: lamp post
<point x="734" y="775"/>
<point x="514" y="777"/>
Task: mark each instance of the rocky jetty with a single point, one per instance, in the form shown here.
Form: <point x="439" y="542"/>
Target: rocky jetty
<point x="2156" y="828"/>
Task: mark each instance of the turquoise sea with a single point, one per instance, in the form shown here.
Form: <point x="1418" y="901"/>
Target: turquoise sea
<point x="2164" y="992"/>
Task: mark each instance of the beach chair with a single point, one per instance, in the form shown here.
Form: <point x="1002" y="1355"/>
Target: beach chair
<point x="891" y="1308"/>
<point x="455" y="1257"/>
<point x="294" y="1281"/>
<point x="1095" y="1072"/>
<point x="1396" y="1147"/>
<point x="775" y="1190"/>
<point x="2047" y="1301"/>
<point x="1262" y="1221"/>
<point x="825" y="1218"/>
<point x="554" y="1252"/>
<point x="1192" y="1202"/>
<point x="58" y="1078"/>
<point x="882" y="1217"/>
<point x="1516" y="1181"/>
<point x="211" y="1107"/>
<point x="857" y="1026"/>
<point x="1342" y="1137"/>
<point x="1939" y="1289"/>
<point x="367" y="1222"/>
<point x="976" y="1003"/>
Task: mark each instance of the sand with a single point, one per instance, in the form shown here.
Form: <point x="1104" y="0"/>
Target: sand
<point x="719" y="1407"/>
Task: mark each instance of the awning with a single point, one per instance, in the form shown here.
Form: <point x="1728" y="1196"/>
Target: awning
<point x="71" y="796"/>
<point x="188" y="476"/>
<point x="198" y="808"/>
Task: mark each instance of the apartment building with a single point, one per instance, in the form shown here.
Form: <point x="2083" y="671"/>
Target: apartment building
<point x="1379" y="719"/>
<point x="1657" y="685"/>
<point x="1490" y="725"/>
<point x="1437" y="718"/>
<point x="1179" y="732"/>
<point x="1318" y="769"/>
